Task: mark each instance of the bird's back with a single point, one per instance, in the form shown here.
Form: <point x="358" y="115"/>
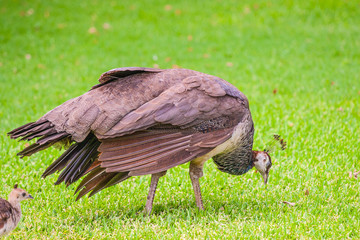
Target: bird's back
<point x="99" y="109"/>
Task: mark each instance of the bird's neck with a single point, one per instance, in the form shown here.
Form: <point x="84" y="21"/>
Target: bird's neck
<point x="235" y="162"/>
<point x="15" y="203"/>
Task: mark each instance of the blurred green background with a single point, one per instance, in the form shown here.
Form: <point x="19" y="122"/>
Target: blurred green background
<point x="296" y="61"/>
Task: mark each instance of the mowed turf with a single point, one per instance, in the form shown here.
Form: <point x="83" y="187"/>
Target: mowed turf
<point x="296" y="61"/>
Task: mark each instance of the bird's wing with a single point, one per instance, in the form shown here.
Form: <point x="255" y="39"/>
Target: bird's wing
<point x="117" y="73"/>
<point x="186" y="121"/>
<point x="193" y="101"/>
<point x="5" y="212"/>
<point x="153" y="151"/>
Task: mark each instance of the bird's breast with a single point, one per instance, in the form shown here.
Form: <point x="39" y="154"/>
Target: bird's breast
<point x="239" y="135"/>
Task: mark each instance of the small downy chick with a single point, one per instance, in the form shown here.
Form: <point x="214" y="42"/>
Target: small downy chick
<point x="10" y="211"/>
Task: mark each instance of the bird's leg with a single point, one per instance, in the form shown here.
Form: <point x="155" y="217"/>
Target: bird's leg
<point x="150" y="199"/>
<point x="196" y="172"/>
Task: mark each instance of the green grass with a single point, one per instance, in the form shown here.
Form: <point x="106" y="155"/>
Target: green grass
<point x="309" y="51"/>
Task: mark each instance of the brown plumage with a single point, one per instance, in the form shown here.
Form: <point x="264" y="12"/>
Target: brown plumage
<point x="10" y="211"/>
<point x="140" y="121"/>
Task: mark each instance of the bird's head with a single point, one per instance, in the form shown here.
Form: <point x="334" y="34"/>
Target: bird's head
<point x="262" y="163"/>
<point x="18" y="194"/>
<point x="262" y="159"/>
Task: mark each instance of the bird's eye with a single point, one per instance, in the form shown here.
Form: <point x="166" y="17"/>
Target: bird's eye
<point x="24" y="194"/>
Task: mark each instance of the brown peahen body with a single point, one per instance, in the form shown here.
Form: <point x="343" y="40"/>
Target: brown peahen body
<point x="141" y="121"/>
<point x="10" y="211"/>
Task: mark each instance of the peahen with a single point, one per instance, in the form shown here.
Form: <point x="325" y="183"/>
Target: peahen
<point x="10" y="211"/>
<point x="141" y="121"/>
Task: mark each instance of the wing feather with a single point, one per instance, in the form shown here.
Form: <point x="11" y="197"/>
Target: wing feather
<point x="123" y="72"/>
<point x="183" y="105"/>
<point x="6" y="211"/>
<point x="161" y="149"/>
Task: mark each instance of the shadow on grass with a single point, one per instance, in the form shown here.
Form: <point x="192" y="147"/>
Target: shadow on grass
<point x="182" y="210"/>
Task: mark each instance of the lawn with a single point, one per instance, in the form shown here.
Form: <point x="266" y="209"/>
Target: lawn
<point x="298" y="62"/>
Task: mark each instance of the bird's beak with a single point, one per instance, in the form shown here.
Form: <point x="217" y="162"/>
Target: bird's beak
<point x="265" y="177"/>
<point x="30" y="197"/>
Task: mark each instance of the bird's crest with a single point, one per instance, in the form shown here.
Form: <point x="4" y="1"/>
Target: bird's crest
<point x="276" y="143"/>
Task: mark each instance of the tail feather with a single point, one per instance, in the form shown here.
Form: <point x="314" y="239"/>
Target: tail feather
<point x="91" y="182"/>
<point x="98" y="180"/>
<point x="99" y="183"/>
<point x="56" y="137"/>
<point x="85" y="165"/>
<point x="94" y="165"/>
<point x="34" y="130"/>
<point x="29" y="128"/>
<point x="39" y="133"/>
<point x="81" y="163"/>
<point x="21" y="131"/>
<point x="23" y="127"/>
<point x="43" y="143"/>
<point x="92" y="175"/>
<point x="60" y="163"/>
<point x="111" y="181"/>
<point x="79" y="160"/>
<point x="41" y="129"/>
<point x="33" y="148"/>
